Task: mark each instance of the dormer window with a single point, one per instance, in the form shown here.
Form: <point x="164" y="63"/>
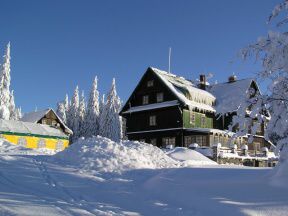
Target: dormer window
<point x="150" y="83"/>
<point x="145" y="99"/>
<point x="159" y="97"/>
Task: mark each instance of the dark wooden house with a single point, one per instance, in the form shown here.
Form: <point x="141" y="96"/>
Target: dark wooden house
<point x="165" y="109"/>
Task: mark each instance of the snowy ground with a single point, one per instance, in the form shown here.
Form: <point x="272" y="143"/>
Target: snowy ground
<point x="44" y="185"/>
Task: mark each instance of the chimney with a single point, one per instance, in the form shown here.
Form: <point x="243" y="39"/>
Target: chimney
<point x="202" y="84"/>
<point x="232" y="78"/>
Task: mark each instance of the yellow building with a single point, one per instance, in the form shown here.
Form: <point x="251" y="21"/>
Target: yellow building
<point x="42" y="129"/>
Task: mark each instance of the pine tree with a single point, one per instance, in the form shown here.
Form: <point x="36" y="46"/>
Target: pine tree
<point x="74" y="114"/>
<point x="82" y="112"/>
<point x="12" y="108"/>
<point x="18" y="113"/>
<point x="5" y="80"/>
<point x="61" y="112"/>
<point x="92" y="116"/>
<point x="111" y="125"/>
<point x="66" y="106"/>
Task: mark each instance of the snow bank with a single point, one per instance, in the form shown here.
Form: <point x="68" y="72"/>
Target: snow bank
<point x="280" y="174"/>
<point x="189" y="157"/>
<point x="7" y="148"/>
<point x="98" y="154"/>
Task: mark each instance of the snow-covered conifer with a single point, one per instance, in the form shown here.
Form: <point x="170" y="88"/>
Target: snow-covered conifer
<point x="18" y="113"/>
<point x="61" y="112"/>
<point x="111" y="125"/>
<point x="74" y="114"/>
<point x="12" y="108"/>
<point x="82" y="113"/>
<point x="5" y="80"/>
<point x="92" y="116"/>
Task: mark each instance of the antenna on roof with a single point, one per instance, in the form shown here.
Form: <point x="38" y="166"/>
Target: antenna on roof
<point x="169" y="59"/>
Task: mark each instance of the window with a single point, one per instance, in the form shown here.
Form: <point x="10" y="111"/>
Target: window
<point x="192" y="118"/>
<point x="150" y="83"/>
<point x="189" y="140"/>
<point x="159" y="97"/>
<point x="54" y="123"/>
<point x="142" y="140"/>
<point x="203" y="121"/>
<point x="41" y="143"/>
<point x="257" y="146"/>
<point x="166" y="141"/>
<point x="145" y="99"/>
<point x="22" y="142"/>
<point x="152" y="120"/>
<point x="44" y="121"/>
<point x="153" y="141"/>
<point x="59" y="145"/>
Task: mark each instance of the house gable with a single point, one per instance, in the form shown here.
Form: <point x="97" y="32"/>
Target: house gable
<point x="149" y="85"/>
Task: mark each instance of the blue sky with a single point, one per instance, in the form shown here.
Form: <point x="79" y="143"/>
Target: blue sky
<point x="56" y="45"/>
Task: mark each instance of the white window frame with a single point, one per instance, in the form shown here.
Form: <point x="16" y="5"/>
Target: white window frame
<point x="152" y="120"/>
<point x="145" y="99"/>
<point x="203" y="123"/>
<point x="160" y="97"/>
<point x="192" y="118"/>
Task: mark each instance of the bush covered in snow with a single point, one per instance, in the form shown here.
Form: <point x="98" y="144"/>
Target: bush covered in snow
<point x="98" y="154"/>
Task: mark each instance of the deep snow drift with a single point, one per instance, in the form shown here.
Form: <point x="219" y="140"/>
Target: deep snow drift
<point x="103" y="155"/>
<point x="189" y="157"/>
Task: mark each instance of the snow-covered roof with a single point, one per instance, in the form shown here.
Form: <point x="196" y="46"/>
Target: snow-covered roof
<point x="152" y="106"/>
<point x="34" y="117"/>
<point x="230" y="95"/>
<point x="29" y="128"/>
<point x="186" y="91"/>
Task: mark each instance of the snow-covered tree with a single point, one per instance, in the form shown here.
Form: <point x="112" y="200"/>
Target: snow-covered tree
<point x="74" y="114"/>
<point x="110" y="122"/>
<point x="5" y="80"/>
<point x="18" y="113"/>
<point x="272" y="52"/>
<point x="12" y="108"/>
<point x="92" y="116"/>
<point x="82" y="113"/>
<point x="61" y="112"/>
<point x="66" y="107"/>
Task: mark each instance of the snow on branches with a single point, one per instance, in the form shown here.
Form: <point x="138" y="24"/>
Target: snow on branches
<point x="94" y="118"/>
<point x="8" y="111"/>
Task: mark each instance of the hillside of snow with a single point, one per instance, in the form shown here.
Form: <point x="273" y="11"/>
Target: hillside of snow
<point x="145" y="181"/>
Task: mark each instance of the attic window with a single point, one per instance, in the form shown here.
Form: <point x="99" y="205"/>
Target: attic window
<point x="145" y="99"/>
<point x="159" y="97"/>
<point x="150" y="83"/>
<point x="192" y="118"/>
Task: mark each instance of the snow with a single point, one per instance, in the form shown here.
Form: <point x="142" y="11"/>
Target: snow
<point x="37" y="185"/>
<point x="7" y="148"/>
<point x="229" y="95"/>
<point x="199" y="99"/>
<point x="152" y="106"/>
<point x="34" y="117"/>
<point x="98" y="154"/>
<point x="190" y="157"/>
<point x="29" y="128"/>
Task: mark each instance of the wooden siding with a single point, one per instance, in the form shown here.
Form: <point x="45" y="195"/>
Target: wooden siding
<point x="136" y="98"/>
<point x="169" y="117"/>
<point x="198" y="116"/>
